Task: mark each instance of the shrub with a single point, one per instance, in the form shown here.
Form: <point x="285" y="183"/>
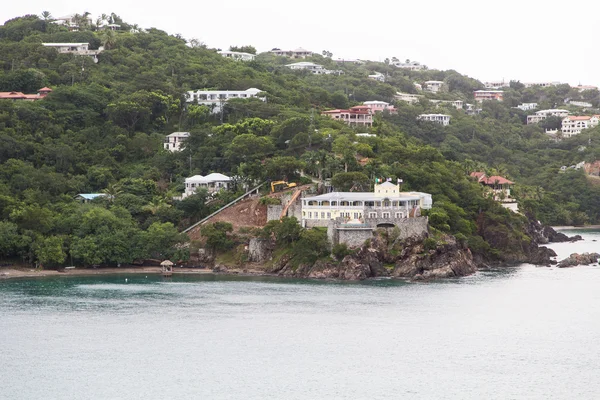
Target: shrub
<point x="340" y="251"/>
<point x="313" y="244"/>
<point x="429" y="244"/>
<point x="216" y="235"/>
<point x="269" y="201"/>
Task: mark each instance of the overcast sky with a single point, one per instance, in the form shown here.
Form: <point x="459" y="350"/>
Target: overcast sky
<point x="526" y="40"/>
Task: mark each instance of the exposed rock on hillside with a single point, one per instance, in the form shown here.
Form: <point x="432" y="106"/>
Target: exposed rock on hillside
<point x="384" y="257"/>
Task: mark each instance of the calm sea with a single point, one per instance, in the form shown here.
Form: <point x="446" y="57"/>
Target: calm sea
<point x="517" y="333"/>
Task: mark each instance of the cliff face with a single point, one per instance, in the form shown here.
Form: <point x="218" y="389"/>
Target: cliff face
<point x="386" y="257"/>
<point x="519" y="243"/>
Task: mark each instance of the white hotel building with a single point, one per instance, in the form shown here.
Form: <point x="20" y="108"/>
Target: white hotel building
<point x="543" y="114"/>
<point x="215" y="98"/>
<point x="385" y="202"/>
<point x="211" y="182"/>
<point x="174" y="141"/>
<point x="441" y="119"/>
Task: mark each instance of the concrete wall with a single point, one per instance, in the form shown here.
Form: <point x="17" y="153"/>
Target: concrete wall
<point x="274" y="212"/>
<point x="355" y="236"/>
<point x="313" y="223"/>
<point x="259" y="250"/>
<point x="412" y="226"/>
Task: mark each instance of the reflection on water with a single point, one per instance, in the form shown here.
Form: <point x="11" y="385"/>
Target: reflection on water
<point x="510" y="333"/>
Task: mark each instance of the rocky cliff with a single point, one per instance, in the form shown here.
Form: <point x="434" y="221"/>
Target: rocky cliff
<point x="385" y="257"/>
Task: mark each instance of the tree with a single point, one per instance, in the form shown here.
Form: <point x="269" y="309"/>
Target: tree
<point x="9" y="238"/>
<point x="109" y="39"/>
<point x="312" y="245"/>
<point x="216" y="235"/>
<point x="243" y="49"/>
<point x="46" y="16"/>
<point x="248" y="147"/>
<point x="339" y="100"/>
<point x="161" y="239"/>
<point x="49" y="250"/>
<point x="350" y="181"/>
<point x="286" y="231"/>
<point x="283" y="168"/>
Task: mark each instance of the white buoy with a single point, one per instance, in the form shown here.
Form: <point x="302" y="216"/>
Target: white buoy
<point x="125" y="280"/>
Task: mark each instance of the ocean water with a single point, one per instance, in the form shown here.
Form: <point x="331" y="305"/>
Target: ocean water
<point x="515" y="333"/>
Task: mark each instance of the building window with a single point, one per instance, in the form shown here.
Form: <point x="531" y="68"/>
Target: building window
<point x="355" y="215"/>
<point x="328" y="215"/>
<point x="386" y="215"/>
<point x="322" y="215"/>
<point x="310" y="215"/>
<point x="372" y="215"/>
<point x="399" y="215"/>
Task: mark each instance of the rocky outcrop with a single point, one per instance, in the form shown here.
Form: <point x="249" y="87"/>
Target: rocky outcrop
<point x="448" y="259"/>
<point x="515" y="244"/>
<point x="542" y="234"/>
<point x="579" y="259"/>
<point x="383" y="257"/>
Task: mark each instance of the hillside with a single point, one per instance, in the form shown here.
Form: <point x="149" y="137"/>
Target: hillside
<point x="101" y="130"/>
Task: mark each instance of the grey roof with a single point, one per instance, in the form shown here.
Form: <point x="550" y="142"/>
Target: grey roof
<point x="362" y="196"/>
<point x="178" y="134"/>
<point x="90" y="196"/>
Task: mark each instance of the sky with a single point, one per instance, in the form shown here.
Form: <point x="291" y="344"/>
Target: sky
<point x="527" y="40"/>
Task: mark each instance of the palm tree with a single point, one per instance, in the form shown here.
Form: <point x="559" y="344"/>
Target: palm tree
<point x="101" y="20"/>
<point x="112" y="191"/>
<point x="109" y="39"/>
<point x="156" y="204"/>
<point x="46" y="16"/>
<point x="85" y="21"/>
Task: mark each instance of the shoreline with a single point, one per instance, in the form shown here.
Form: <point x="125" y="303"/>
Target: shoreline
<point x="12" y="273"/>
<point x="575" y="228"/>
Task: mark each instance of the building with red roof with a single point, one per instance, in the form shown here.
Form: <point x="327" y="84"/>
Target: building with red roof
<point x="499" y="187"/>
<point x="26" y="97"/>
<point x="573" y="124"/>
<point x="357" y="115"/>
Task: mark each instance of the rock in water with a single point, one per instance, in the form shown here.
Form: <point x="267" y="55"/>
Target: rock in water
<point x="579" y="259"/>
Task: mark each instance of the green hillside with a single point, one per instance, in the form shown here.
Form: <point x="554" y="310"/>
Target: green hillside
<point x="101" y="131"/>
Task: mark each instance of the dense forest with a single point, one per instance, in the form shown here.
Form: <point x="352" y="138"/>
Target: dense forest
<point x="102" y="127"/>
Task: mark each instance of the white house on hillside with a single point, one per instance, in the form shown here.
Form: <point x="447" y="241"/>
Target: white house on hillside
<point x="72" y="21"/>
<point x="458" y="104"/>
<point x="433" y="86"/>
<point x="573" y="125"/>
<point x="174" y="141"/>
<point x="216" y="98"/>
<point x="386" y="201"/>
<point x="313" y="68"/>
<point x="237" y="55"/>
<point x="527" y="106"/>
<point x="378" y="76"/>
<point x="583" y="104"/>
<point x="298" y="53"/>
<point x="441" y="119"/>
<point x="543" y="114"/>
<point x="408" y="97"/>
<point x="380" y="106"/>
<point x="212" y="183"/>
<point x="80" y="49"/>
<point x="410" y="65"/>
